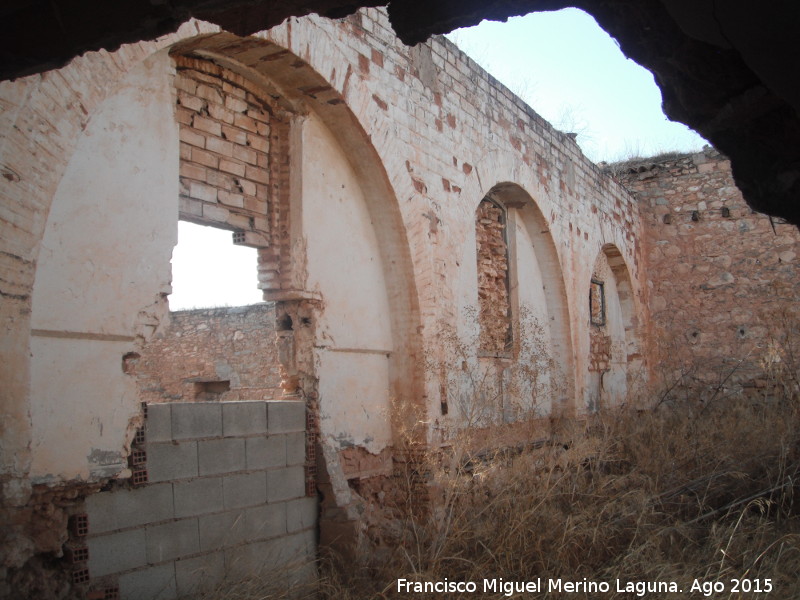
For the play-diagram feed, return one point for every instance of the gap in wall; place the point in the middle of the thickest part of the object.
(208, 270)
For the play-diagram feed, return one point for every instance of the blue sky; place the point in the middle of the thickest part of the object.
(574, 75)
(561, 63)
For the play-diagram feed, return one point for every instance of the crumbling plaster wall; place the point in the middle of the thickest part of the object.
(102, 277)
(426, 135)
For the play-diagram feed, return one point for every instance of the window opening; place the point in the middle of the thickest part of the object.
(597, 302)
(208, 270)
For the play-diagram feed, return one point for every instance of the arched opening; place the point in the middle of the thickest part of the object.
(344, 282)
(523, 356)
(615, 358)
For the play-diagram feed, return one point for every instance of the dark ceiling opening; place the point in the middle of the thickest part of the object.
(725, 68)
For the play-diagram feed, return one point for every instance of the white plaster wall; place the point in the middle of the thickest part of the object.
(536, 340)
(102, 270)
(344, 265)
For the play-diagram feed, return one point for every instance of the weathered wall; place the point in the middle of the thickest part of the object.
(102, 277)
(200, 347)
(723, 280)
(219, 494)
(377, 159)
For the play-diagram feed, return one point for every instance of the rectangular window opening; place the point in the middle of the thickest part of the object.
(597, 303)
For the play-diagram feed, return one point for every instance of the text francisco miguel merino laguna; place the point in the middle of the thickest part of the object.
(509, 588)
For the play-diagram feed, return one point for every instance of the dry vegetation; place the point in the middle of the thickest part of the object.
(685, 491)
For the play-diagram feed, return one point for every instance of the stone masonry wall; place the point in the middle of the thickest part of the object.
(218, 493)
(723, 280)
(201, 347)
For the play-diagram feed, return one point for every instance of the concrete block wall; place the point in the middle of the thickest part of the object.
(224, 498)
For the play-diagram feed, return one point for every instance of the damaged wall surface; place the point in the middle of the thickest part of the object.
(357, 167)
(723, 280)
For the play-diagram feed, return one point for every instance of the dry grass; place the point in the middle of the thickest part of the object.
(679, 493)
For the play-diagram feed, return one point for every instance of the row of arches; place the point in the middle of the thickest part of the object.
(524, 329)
(335, 254)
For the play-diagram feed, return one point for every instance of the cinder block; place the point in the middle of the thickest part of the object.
(120, 509)
(244, 489)
(221, 530)
(253, 560)
(244, 418)
(196, 420)
(286, 416)
(153, 583)
(296, 448)
(198, 497)
(169, 461)
(159, 423)
(266, 521)
(285, 484)
(301, 514)
(265, 452)
(116, 552)
(172, 540)
(200, 574)
(221, 456)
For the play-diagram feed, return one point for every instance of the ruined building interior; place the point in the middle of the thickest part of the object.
(416, 225)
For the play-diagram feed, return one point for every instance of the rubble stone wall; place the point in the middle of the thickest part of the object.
(231, 347)
(724, 281)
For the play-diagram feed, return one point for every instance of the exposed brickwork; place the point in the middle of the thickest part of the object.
(209, 345)
(492, 251)
(599, 350)
(722, 277)
(225, 132)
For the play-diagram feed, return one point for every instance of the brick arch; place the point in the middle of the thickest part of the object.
(615, 348)
(535, 273)
(310, 93)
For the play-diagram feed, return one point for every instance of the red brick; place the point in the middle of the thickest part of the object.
(205, 158)
(191, 102)
(220, 146)
(183, 116)
(245, 122)
(192, 137)
(248, 187)
(208, 125)
(231, 166)
(258, 142)
(230, 198)
(245, 154)
(237, 136)
(209, 93)
(256, 174)
(258, 115)
(220, 113)
(233, 90)
(363, 64)
(193, 171)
